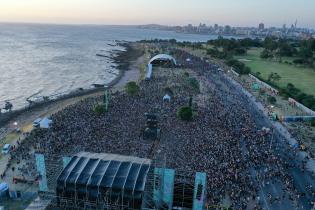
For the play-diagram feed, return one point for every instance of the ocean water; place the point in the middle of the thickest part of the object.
(42, 60)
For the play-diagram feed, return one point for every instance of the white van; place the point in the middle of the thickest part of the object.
(6, 149)
(36, 122)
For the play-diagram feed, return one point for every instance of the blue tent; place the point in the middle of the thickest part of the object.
(4, 187)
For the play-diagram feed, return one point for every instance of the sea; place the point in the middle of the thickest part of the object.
(39, 60)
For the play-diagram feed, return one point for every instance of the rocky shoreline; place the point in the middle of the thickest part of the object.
(122, 58)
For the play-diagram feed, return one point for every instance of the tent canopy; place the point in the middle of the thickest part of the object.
(163, 57)
(167, 98)
(45, 123)
(149, 71)
(3, 187)
(105, 171)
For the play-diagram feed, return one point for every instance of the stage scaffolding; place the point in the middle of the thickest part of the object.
(158, 192)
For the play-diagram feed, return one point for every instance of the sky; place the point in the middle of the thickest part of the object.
(167, 12)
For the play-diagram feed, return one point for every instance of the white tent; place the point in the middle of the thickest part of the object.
(45, 123)
(4, 187)
(149, 72)
(163, 57)
(167, 98)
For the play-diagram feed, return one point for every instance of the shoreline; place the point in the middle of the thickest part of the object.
(19, 123)
(123, 59)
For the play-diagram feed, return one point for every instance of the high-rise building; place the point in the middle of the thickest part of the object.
(261, 26)
(216, 26)
(227, 29)
(284, 26)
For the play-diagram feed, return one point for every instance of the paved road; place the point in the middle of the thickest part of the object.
(272, 195)
(303, 180)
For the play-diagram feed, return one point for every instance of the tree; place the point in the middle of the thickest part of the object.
(298, 61)
(173, 41)
(99, 109)
(246, 70)
(168, 90)
(265, 54)
(306, 55)
(292, 90)
(185, 113)
(194, 84)
(308, 101)
(230, 45)
(312, 44)
(301, 96)
(197, 45)
(274, 77)
(132, 88)
(278, 55)
(215, 53)
(240, 51)
(248, 42)
(272, 99)
(262, 91)
(270, 44)
(238, 66)
(286, 49)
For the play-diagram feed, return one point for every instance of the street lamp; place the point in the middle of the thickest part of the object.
(106, 97)
(272, 137)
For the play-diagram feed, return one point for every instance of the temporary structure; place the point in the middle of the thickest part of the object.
(167, 98)
(45, 123)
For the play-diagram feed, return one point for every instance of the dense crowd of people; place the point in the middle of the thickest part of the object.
(225, 140)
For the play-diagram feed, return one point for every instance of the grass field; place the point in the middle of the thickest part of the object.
(302, 78)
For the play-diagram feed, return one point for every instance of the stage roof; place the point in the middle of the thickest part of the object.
(105, 171)
(163, 57)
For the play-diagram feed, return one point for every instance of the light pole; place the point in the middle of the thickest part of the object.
(271, 139)
(106, 97)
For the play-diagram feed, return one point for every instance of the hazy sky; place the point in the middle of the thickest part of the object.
(171, 12)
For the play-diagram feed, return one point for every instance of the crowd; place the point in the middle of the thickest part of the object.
(224, 139)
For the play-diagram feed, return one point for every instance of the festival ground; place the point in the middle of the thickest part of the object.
(246, 168)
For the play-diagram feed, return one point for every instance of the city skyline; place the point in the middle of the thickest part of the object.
(125, 12)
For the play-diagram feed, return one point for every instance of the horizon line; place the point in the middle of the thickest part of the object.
(144, 24)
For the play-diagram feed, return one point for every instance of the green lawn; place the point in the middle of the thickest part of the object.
(9, 138)
(302, 78)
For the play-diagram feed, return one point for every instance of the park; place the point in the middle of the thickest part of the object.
(301, 77)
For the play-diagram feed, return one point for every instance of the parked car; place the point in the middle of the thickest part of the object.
(36, 122)
(6, 149)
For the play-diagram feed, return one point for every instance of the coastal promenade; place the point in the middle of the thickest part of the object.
(24, 121)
